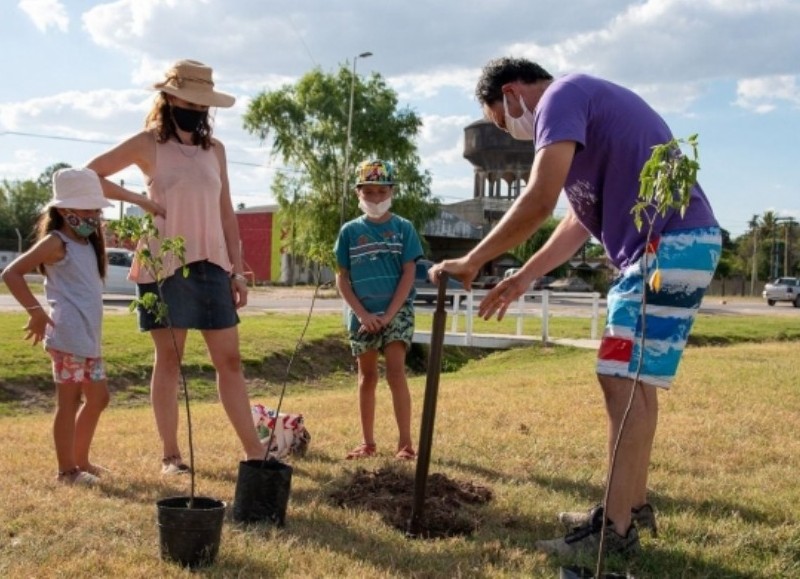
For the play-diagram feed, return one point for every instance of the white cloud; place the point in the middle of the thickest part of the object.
(706, 60)
(670, 42)
(763, 95)
(428, 85)
(46, 14)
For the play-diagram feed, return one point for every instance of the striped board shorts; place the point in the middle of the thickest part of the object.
(686, 260)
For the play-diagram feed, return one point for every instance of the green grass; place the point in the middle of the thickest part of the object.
(528, 423)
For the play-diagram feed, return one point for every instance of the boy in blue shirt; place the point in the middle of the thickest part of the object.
(376, 254)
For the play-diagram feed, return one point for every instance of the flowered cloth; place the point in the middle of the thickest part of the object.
(291, 436)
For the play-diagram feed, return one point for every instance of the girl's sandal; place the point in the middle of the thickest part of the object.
(363, 450)
(406, 453)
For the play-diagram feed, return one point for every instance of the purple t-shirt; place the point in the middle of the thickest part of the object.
(615, 131)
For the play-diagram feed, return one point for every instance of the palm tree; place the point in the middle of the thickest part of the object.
(754, 226)
(769, 226)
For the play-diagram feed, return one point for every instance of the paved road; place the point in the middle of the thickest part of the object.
(278, 300)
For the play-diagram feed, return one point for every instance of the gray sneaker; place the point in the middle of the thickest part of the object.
(644, 518)
(586, 540)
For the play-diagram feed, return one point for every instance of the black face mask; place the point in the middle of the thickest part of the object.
(188, 119)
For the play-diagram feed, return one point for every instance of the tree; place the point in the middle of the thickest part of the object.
(307, 126)
(526, 249)
(21, 203)
(727, 260)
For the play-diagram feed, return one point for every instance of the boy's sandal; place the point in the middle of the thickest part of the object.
(406, 453)
(363, 450)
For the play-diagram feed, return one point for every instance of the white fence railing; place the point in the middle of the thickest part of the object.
(536, 304)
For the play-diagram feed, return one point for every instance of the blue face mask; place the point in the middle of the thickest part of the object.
(82, 226)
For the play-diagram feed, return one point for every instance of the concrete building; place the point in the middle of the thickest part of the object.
(501, 166)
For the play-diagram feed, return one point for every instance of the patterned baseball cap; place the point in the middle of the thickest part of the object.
(375, 172)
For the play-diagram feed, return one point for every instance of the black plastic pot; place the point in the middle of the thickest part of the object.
(262, 491)
(187, 536)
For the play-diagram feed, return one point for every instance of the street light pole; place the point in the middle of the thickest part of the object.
(346, 174)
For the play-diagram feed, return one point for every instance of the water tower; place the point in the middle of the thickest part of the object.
(501, 165)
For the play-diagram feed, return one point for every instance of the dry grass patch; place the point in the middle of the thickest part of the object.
(527, 423)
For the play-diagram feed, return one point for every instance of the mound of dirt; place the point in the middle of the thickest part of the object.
(450, 505)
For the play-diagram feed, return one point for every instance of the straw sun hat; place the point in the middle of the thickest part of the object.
(192, 81)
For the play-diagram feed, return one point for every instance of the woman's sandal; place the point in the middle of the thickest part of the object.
(96, 470)
(78, 477)
(363, 450)
(406, 453)
(173, 465)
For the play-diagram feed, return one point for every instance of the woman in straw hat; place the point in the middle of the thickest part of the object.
(186, 174)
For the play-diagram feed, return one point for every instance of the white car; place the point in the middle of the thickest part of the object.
(570, 284)
(119, 264)
(783, 289)
(540, 283)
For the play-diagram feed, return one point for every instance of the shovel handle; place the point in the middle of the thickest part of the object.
(442, 280)
(429, 410)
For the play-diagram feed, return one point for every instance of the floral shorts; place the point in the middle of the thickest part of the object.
(400, 329)
(71, 369)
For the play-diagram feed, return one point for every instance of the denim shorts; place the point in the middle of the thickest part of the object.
(686, 260)
(200, 301)
(400, 329)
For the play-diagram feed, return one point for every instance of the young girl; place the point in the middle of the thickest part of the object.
(70, 253)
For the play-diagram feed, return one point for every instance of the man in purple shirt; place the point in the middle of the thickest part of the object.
(592, 138)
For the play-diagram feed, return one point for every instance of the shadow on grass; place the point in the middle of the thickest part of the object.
(491, 546)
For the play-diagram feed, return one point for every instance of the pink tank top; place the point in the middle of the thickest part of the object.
(187, 183)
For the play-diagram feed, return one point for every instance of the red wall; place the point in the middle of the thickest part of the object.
(255, 230)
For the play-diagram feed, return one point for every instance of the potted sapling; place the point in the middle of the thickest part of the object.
(190, 527)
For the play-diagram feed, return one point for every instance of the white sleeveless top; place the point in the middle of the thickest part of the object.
(74, 290)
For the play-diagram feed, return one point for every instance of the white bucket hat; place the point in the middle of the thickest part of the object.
(193, 81)
(77, 189)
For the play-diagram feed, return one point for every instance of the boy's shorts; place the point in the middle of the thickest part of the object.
(686, 259)
(71, 369)
(400, 329)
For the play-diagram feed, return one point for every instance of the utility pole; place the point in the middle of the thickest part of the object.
(121, 203)
(754, 271)
(348, 143)
(787, 223)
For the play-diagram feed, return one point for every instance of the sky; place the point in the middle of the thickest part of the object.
(77, 76)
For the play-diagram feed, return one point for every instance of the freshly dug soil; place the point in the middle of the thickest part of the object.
(451, 507)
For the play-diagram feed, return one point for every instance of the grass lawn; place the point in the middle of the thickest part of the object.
(528, 423)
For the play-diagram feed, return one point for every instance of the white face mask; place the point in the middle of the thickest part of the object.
(375, 210)
(521, 128)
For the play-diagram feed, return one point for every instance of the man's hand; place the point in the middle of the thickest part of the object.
(503, 295)
(460, 268)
